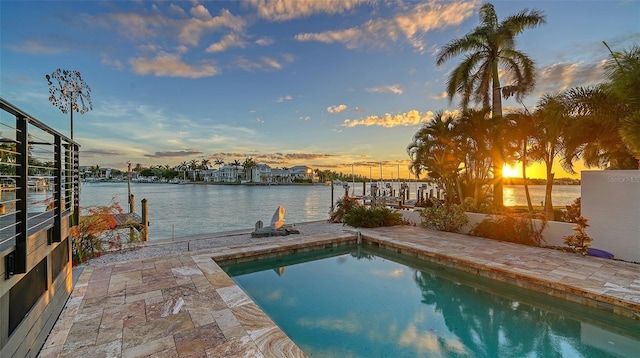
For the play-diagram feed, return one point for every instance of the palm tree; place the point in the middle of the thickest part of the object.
(204, 164)
(623, 70)
(248, 164)
(551, 123)
(594, 134)
(523, 123)
(219, 162)
(434, 150)
(490, 46)
(235, 165)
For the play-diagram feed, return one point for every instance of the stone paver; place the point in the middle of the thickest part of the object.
(184, 305)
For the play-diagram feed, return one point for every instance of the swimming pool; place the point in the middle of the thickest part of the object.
(366, 302)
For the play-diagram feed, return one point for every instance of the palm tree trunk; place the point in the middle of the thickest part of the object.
(548, 205)
(524, 175)
(498, 161)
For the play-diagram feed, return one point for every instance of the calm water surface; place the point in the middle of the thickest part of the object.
(192, 209)
(373, 303)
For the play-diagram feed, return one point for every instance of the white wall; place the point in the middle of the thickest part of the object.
(611, 202)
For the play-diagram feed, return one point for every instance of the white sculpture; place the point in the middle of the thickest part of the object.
(277, 221)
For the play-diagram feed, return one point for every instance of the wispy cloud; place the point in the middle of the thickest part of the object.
(263, 63)
(397, 89)
(561, 76)
(202, 21)
(282, 10)
(410, 118)
(228, 41)
(337, 109)
(37, 47)
(171, 65)
(440, 95)
(99, 153)
(285, 98)
(174, 154)
(264, 41)
(412, 25)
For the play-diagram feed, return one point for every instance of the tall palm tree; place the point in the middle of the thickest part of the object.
(491, 47)
(523, 127)
(204, 164)
(219, 162)
(236, 164)
(551, 123)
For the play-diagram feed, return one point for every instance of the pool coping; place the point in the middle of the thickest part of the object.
(90, 323)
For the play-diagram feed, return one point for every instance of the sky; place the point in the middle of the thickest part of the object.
(331, 84)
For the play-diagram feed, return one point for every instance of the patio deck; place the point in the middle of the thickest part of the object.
(184, 305)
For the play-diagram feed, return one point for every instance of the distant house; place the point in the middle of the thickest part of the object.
(301, 172)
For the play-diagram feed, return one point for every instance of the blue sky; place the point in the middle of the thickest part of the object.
(326, 83)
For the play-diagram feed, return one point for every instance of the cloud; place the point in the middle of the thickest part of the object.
(115, 64)
(173, 154)
(411, 118)
(37, 47)
(337, 109)
(264, 41)
(170, 65)
(440, 95)
(397, 89)
(411, 25)
(263, 63)
(558, 77)
(228, 41)
(282, 10)
(285, 98)
(202, 21)
(99, 153)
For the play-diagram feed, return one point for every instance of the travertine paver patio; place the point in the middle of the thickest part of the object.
(184, 305)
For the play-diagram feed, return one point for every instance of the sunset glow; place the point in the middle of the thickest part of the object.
(511, 172)
(333, 85)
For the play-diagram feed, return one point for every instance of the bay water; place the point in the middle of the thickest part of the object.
(195, 209)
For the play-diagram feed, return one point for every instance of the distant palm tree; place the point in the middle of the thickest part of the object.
(219, 162)
(236, 164)
(490, 46)
(248, 165)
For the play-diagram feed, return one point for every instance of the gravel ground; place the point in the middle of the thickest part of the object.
(156, 248)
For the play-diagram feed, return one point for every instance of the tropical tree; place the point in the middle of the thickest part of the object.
(248, 164)
(623, 71)
(236, 163)
(490, 49)
(551, 121)
(69, 92)
(219, 162)
(523, 127)
(594, 134)
(434, 149)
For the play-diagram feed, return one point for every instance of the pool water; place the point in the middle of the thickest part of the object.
(366, 302)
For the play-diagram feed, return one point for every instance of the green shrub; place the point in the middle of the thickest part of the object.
(443, 217)
(360, 216)
(343, 206)
(520, 229)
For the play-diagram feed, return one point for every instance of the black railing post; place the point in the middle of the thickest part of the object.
(57, 190)
(22, 171)
(75, 187)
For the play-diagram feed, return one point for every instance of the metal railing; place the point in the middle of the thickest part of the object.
(38, 180)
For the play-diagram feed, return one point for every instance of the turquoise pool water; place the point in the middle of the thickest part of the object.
(353, 302)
